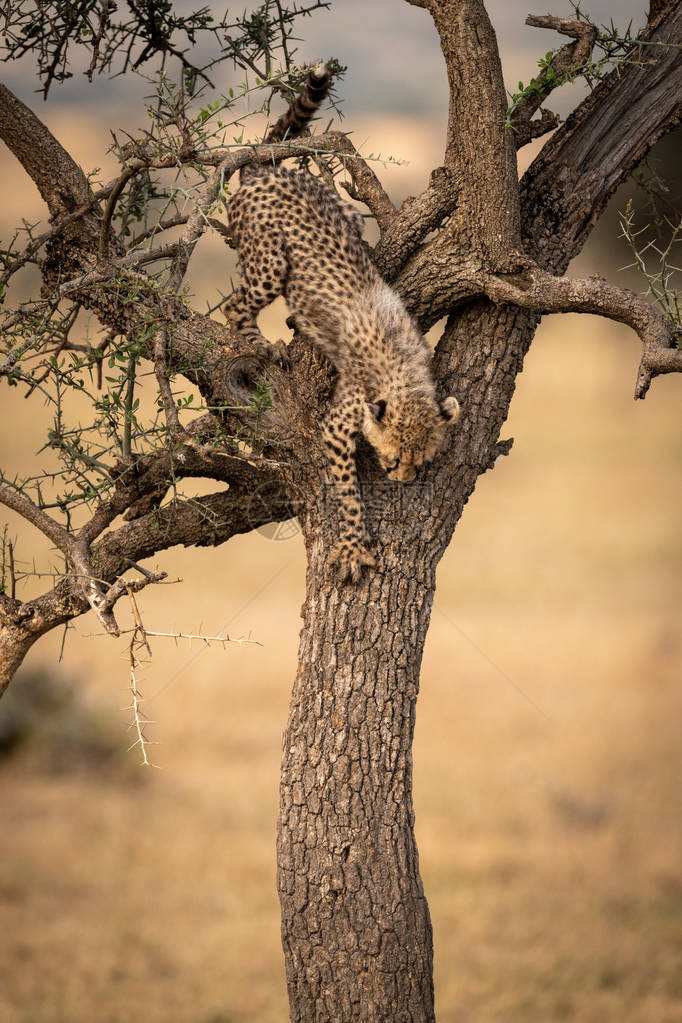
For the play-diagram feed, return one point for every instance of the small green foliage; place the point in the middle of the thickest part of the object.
(262, 399)
(130, 36)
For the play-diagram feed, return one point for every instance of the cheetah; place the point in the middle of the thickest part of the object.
(297, 238)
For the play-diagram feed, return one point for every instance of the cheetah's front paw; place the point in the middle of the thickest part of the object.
(350, 559)
(273, 351)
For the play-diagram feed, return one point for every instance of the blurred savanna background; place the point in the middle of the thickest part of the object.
(547, 773)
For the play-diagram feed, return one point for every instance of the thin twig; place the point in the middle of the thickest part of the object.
(12, 576)
(140, 720)
(109, 210)
(161, 370)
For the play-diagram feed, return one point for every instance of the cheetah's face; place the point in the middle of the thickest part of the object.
(405, 438)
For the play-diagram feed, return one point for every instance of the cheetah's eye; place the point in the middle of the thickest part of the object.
(390, 466)
(378, 410)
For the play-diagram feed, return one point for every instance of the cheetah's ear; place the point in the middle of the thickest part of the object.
(449, 409)
(377, 410)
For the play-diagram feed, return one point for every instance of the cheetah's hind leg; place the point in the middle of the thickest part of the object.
(235, 310)
(264, 273)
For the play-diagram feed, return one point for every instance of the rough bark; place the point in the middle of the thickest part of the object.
(568, 185)
(15, 641)
(355, 922)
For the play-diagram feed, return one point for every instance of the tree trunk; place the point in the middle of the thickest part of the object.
(355, 922)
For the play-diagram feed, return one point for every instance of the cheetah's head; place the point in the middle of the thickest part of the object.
(406, 434)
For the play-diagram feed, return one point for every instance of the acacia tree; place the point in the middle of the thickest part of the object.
(476, 247)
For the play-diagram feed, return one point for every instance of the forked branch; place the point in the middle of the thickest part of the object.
(563, 66)
(366, 184)
(75, 550)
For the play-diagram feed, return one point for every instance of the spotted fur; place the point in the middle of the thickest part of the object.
(296, 237)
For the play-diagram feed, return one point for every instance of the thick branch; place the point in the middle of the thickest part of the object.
(151, 477)
(201, 522)
(60, 180)
(478, 190)
(480, 154)
(418, 216)
(532, 288)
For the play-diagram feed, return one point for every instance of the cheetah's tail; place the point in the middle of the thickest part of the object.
(303, 109)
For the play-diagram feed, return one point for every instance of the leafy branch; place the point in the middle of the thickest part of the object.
(117, 38)
(598, 50)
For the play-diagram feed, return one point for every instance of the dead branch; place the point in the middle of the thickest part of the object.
(367, 186)
(58, 177)
(566, 61)
(501, 449)
(191, 636)
(152, 475)
(131, 586)
(138, 640)
(546, 122)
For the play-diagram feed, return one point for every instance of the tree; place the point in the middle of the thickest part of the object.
(476, 247)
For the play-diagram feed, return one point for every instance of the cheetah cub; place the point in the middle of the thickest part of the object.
(296, 237)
